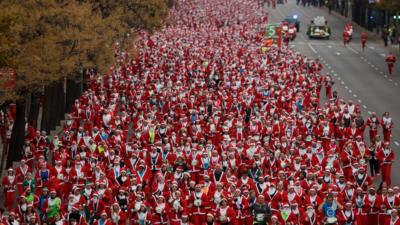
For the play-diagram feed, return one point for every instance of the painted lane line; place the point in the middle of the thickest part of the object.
(396, 143)
(390, 80)
(385, 76)
(369, 112)
(352, 49)
(371, 47)
(332, 71)
(339, 78)
(329, 46)
(381, 72)
(359, 100)
(313, 49)
(396, 84)
(350, 91)
(364, 106)
(355, 96)
(337, 53)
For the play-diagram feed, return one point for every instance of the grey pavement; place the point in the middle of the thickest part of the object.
(359, 76)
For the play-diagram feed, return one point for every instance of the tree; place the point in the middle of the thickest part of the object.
(392, 5)
(47, 42)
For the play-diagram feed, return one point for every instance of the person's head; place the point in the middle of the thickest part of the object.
(348, 206)
(372, 191)
(198, 188)
(330, 197)
(394, 213)
(286, 208)
(210, 217)
(261, 199)
(103, 215)
(224, 202)
(53, 194)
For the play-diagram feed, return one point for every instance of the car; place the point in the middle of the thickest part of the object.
(318, 28)
(293, 20)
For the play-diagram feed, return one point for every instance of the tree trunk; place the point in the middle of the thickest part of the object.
(18, 134)
(74, 90)
(34, 110)
(54, 105)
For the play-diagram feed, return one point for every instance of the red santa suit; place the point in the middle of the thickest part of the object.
(197, 203)
(385, 156)
(225, 215)
(9, 184)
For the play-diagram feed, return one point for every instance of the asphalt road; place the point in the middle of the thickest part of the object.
(359, 76)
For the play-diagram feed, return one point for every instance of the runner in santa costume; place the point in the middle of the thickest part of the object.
(348, 215)
(178, 208)
(161, 211)
(373, 122)
(118, 217)
(363, 40)
(95, 207)
(103, 220)
(390, 60)
(52, 206)
(12, 219)
(241, 206)
(20, 174)
(286, 216)
(362, 179)
(9, 183)
(387, 126)
(197, 203)
(389, 203)
(394, 218)
(385, 157)
(225, 214)
(217, 195)
(261, 211)
(311, 216)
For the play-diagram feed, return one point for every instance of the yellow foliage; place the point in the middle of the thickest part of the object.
(48, 40)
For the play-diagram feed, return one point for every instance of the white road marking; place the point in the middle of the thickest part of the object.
(355, 96)
(343, 83)
(396, 143)
(396, 84)
(369, 112)
(313, 49)
(376, 68)
(364, 106)
(332, 71)
(350, 91)
(359, 100)
(292, 46)
(337, 53)
(383, 55)
(390, 80)
(352, 49)
(339, 78)
(335, 75)
(371, 47)
(385, 76)
(329, 46)
(381, 72)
